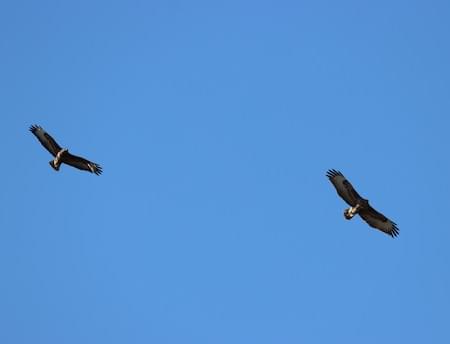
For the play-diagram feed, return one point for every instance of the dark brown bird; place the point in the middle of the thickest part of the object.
(62, 156)
(359, 205)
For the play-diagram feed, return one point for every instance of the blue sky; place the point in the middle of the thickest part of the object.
(215, 123)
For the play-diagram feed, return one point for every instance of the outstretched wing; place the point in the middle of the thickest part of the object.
(343, 187)
(81, 163)
(379, 221)
(45, 139)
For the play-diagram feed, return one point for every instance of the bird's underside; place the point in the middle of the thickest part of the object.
(349, 213)
(56, 162)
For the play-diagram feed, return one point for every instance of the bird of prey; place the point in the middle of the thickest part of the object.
(62, 156)
(359, 205)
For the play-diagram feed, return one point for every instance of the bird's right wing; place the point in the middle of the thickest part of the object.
(343, 187)
(379, 221)
(45, 139)
(81, 163)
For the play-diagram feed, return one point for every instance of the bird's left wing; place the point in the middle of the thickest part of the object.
(379, 221)
(45, 139)
(81, 163)
(343, 187)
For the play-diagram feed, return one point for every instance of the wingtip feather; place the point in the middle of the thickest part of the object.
(395, 230)
(333, 173)
(34, 127)
(98, 169)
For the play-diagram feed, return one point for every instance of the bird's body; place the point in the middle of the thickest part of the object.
(57, 161)
(62, 155)
(359, 205)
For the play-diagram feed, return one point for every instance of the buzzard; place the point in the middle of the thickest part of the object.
(359, 205)
(62, 155)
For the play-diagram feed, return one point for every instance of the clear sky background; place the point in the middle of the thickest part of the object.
(215, 123)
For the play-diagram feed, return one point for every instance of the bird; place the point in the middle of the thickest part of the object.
(360, 206)
(62, 155)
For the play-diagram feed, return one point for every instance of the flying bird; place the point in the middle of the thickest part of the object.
(359, 205)
(62, 156)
